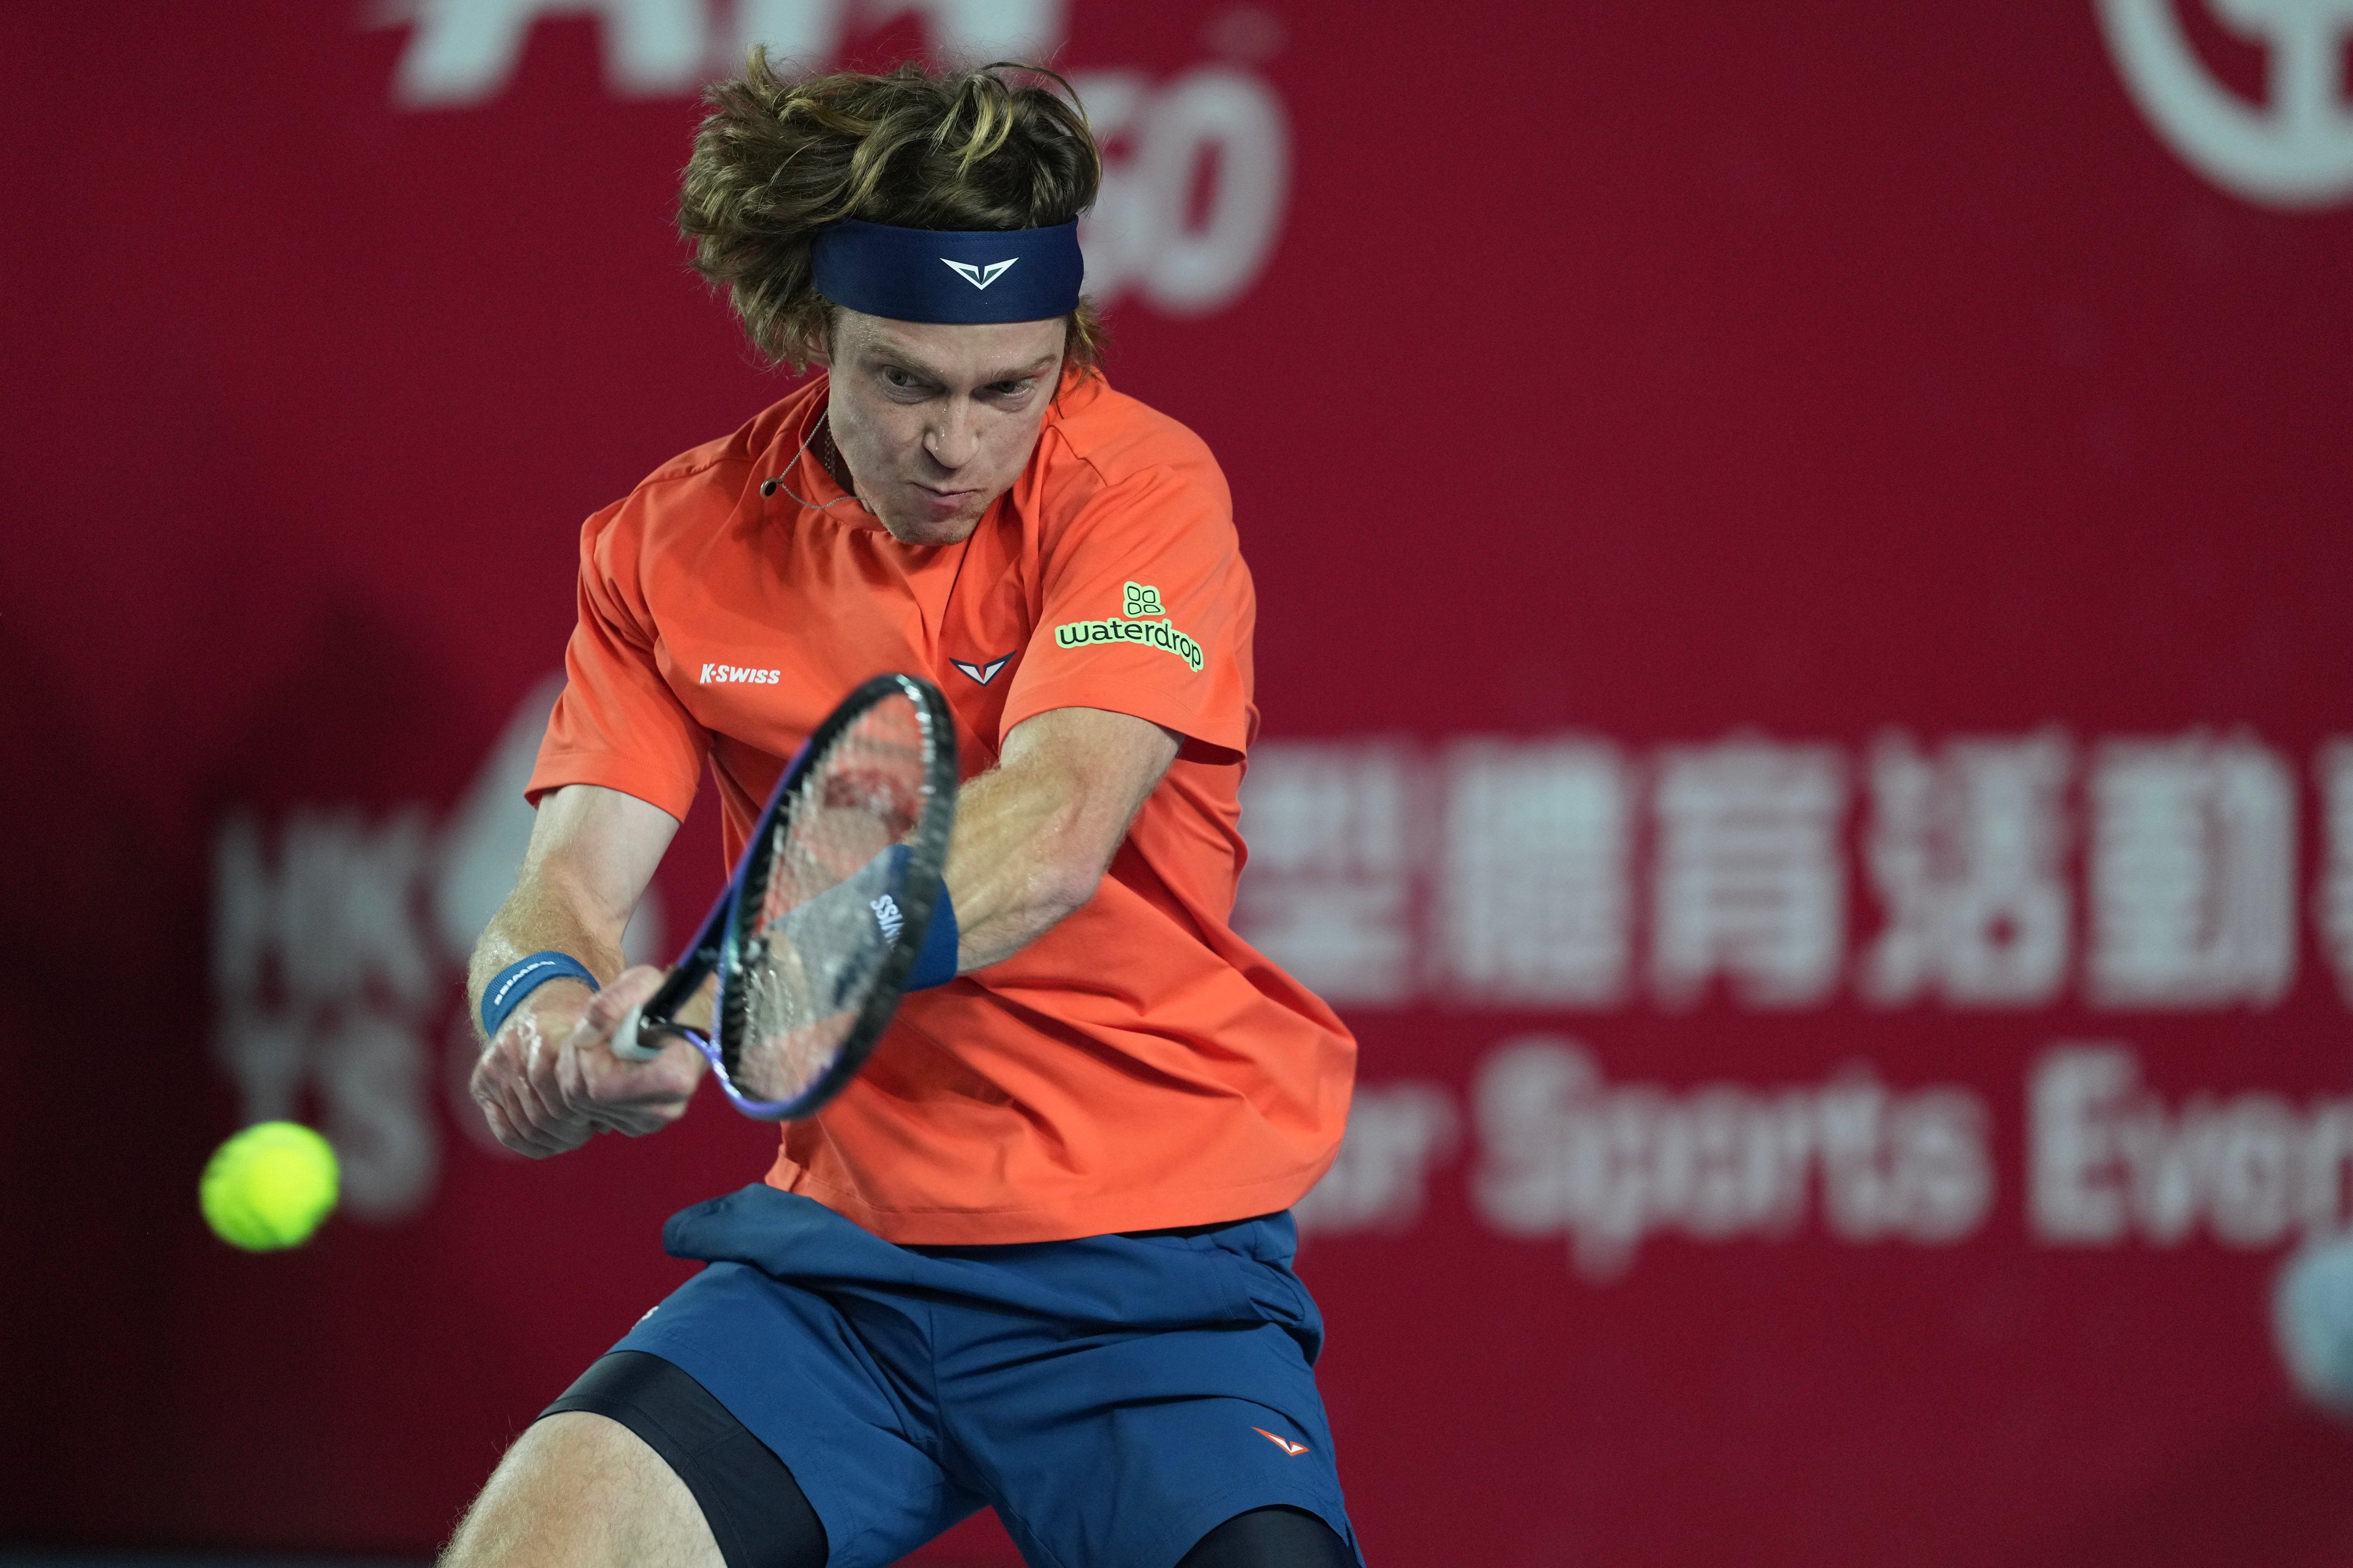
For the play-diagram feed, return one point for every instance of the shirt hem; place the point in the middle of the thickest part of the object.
(1051, 1222)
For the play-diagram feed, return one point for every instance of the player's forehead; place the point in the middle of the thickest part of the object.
(955, 354)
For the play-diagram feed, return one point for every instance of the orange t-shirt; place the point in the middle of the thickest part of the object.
(1138, 1066)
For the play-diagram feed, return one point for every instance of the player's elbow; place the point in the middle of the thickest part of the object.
(1070, 859)
(1067, 880)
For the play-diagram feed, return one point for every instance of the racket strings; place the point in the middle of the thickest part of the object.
(829, 909)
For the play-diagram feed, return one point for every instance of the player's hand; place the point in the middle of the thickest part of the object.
(548, 1080)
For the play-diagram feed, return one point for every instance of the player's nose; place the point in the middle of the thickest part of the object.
(951, 440)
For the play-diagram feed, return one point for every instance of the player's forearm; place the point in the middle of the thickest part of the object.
(1034, 835)
(542, 915)
(1020, 862)
(593, 851)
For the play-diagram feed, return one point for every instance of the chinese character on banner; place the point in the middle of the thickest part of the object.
(1328, 894)
(2332, 899)
(2192, 874)
(1749, 882)
(1534, 904)
(1965, 851)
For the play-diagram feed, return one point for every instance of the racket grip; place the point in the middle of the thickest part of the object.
(627, 1043)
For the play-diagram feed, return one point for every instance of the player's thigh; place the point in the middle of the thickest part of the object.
(834, 1388)
(581, 1488)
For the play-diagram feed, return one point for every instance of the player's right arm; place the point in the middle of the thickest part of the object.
(548, 1080)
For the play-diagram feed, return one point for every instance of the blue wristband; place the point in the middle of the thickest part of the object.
(518, 980)
(935, 961)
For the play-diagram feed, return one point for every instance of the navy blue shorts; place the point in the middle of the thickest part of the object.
(1114, 1398)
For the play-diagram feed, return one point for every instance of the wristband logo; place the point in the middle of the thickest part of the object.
(500, 994)
(1140, 602)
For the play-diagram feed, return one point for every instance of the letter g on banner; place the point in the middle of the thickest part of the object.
(2295, 152)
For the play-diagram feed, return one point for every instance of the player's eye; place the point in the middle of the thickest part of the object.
(1008, 388)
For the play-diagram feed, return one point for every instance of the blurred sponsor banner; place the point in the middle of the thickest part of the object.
(1805, 607)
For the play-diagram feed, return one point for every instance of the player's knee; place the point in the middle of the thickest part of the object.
(1275, 1537)
(582, 1488)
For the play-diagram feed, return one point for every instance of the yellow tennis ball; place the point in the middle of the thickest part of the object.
(268, 1187)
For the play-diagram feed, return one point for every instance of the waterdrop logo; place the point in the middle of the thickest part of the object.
(2294, 151)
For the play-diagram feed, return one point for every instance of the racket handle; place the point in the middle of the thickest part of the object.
(627, 1041)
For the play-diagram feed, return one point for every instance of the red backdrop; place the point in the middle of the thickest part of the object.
(1805, 608)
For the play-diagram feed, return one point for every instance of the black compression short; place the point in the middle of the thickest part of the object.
(1271, 1538)
(754, 1508)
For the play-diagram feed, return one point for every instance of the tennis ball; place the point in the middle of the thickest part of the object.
(268, 1187)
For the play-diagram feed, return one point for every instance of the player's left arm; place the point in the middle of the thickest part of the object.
(1035, 834)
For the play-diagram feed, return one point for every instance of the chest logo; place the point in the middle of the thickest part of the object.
(719, 674)
(983, 673)
(1139, 604)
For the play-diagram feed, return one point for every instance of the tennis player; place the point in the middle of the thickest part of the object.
(1036, 1256)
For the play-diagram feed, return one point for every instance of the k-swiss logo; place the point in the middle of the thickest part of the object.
(983, 276)
(719, 674)
(983, 673)
(887, 916)
(1285, 1443)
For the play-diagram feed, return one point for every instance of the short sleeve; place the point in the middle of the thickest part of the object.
(617, 723)
(1148, 610)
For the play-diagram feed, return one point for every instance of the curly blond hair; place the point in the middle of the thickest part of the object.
(776, 159)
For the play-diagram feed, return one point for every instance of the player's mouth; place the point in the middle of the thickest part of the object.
(942, 503)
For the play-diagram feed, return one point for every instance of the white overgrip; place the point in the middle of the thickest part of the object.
(626, 1043)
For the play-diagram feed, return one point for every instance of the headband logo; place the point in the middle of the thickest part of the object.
(979, 277)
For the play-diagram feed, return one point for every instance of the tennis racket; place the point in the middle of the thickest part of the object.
(814, 937)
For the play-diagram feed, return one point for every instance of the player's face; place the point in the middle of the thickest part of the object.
(936, 421)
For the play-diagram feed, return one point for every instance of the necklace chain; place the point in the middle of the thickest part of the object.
(770, 486)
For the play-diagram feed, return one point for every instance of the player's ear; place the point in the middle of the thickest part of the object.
(821, 352)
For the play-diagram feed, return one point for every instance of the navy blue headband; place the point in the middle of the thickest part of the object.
(949, 275)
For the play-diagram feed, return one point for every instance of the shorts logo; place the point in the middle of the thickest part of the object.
(983, 276)
(1285, 1443)
(717, 674)
(983, 673)
(1140, 601)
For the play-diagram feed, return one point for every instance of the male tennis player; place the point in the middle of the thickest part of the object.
(1034, 1256)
